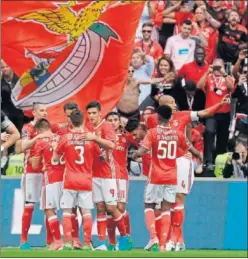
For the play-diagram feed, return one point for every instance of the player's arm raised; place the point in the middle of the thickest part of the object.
(27, 143)
(213, 109)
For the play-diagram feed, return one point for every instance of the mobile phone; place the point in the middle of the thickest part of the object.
(217, 68)
(236, 156)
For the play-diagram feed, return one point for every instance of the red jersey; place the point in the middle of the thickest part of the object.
(197, 141)
(192, 71)
(29, 132)
(105, 168)
(146, 163)
(163, 143)
(178, 121)
(53, 171)
(78, 155)
(154, 49)
(215, 90)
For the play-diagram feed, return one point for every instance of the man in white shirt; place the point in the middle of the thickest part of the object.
(180, 48)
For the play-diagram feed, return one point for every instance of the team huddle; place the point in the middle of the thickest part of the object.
(77, 164)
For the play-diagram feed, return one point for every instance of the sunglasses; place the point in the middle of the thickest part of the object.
(145, 31)
(130, 71)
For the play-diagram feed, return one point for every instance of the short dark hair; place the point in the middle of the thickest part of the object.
(94, 104)
(190, 86)
(132, 124)
(187, 22)
(35, 105)
(112, 114)
(70, 106)
(42, 124)
(164, 112)
(199, 47)
(76, 118)
(147, 24)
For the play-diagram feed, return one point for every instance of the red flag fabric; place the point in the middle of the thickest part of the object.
(69, 51)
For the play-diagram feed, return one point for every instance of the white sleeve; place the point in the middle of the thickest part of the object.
(194, 116)
(168, 47)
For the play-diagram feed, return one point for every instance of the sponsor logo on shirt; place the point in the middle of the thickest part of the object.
(183, 51)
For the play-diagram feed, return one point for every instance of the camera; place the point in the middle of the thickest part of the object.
(216, 68)
(236, 156)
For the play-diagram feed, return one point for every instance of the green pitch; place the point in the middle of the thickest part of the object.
(138, 253)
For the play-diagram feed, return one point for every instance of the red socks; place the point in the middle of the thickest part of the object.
(165, 226)
(101, 226)
(67, 226)
(111, 227)
(120, 223)
(54, 227)
(49, 235)
(127, 222)
(26, 221)
(87, 228)
(150, 222)
(158, 216)
(177, 223)
(74, 223)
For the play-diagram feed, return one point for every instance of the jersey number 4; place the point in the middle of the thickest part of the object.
(167, 149)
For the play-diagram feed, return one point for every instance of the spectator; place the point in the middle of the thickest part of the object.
(146, 113)
(170, 85)
(149, 46)
(143, 69)
(232, 37)
(237, 163)
(216, 84)
(146, 17)
(207, 35)
(9, 136)
(128, 105)
(8, 81)
(195, 99)
(196, 69)
(216, 11)
(180, 48)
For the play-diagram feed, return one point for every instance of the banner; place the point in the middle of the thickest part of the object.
(69, 51)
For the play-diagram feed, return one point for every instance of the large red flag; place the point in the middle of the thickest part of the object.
(68, 51)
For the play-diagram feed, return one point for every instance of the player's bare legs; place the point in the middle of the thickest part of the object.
(53, 225)
(87, 227)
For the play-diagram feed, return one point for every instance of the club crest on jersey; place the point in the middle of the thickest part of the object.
(77, 61)
(24, 133)
(175, 123)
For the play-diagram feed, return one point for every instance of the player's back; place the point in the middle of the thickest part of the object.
(53, 171)
(164, 143)
(78, 155)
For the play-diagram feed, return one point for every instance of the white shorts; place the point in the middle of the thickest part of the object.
(50, 196)
(122, 190)
(156, 193)
(105, 190)
(185, 175)
(31, 185)
(70, 199)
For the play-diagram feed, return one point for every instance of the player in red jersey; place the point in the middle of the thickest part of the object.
(52, 179)
(104, 177)
(120, 156)
(77, 186)
(32, 178)
(185, 174)
(164, 142)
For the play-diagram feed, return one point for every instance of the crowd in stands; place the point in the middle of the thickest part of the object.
(195, 51)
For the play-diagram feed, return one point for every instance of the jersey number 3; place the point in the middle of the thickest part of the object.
(80, 161)
(167, 149)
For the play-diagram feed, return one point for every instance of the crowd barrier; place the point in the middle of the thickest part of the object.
(216, 215)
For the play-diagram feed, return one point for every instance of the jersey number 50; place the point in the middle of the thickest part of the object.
(167, 149)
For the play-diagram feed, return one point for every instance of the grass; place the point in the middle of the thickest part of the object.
(137, 253)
